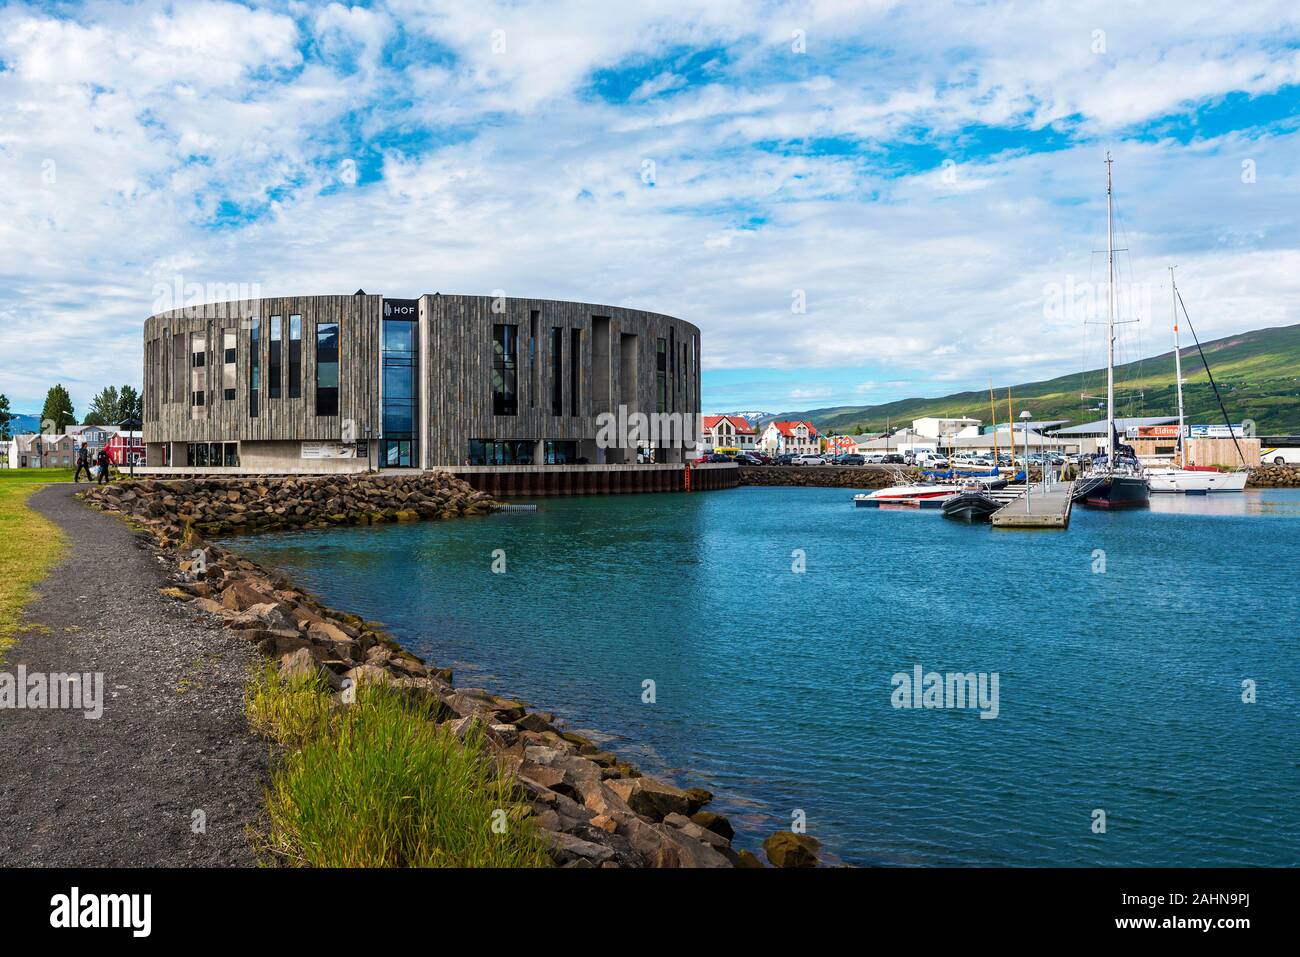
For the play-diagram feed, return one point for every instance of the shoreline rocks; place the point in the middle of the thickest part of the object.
(593, 809)
(1274, 476)
(217, 506)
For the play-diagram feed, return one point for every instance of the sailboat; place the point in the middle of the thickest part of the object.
(1115, 479)
(1182, 477)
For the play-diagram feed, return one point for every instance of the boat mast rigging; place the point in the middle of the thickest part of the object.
(1180, 449)
(1110, 321)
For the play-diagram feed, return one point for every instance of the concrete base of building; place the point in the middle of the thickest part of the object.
(506, 481)
(514, 480)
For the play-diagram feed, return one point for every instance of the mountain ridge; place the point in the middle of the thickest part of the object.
(1257, 372)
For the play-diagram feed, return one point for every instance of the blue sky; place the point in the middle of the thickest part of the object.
(924, 178)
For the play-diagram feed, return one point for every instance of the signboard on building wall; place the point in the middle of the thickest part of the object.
(1157, 432)
(401, 308)
(328, 450)
(1217, 431)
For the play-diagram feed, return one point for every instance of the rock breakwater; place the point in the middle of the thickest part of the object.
(1274, 476)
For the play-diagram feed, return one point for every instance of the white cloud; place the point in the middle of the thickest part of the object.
(154, 113)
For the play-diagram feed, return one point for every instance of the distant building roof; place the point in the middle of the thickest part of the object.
(738, 423)
(891, 442)
(1035, 426)
(787, 428)
(1099, 427)
(987, 440)
(27, 440)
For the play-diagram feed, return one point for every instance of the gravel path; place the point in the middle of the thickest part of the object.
(122, 790)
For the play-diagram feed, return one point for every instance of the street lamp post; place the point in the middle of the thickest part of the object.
(1024, 420)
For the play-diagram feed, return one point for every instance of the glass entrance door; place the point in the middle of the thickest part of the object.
(397, 453)
(399, 394)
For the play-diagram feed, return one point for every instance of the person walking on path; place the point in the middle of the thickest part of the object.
(83, 462)
(103, 461)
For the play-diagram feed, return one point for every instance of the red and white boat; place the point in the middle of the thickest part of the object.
(908, 496)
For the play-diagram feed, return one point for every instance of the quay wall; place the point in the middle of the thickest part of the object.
(824, 476)
(511, 481)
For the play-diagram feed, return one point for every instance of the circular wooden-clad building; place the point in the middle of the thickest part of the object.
(311, 384)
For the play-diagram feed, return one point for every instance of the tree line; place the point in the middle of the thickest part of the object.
(110, 406)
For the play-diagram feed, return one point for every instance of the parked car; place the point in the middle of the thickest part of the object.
(808, 459)
(745, 458)
(785, 459)
(892, 458)
(850, 458)
(931, 460)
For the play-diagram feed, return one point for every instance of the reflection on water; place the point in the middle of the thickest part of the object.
(1263, 502)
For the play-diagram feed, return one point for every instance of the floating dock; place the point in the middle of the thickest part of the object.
(1044, 509)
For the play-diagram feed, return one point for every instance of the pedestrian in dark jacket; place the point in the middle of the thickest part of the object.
(83, 463)
(102, 460)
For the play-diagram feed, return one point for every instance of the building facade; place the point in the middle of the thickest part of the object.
(791, 438)
(730, 432)
(125, 448)
(332, 383)
(38, 451)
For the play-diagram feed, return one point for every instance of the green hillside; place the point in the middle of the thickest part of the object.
(1258, 374)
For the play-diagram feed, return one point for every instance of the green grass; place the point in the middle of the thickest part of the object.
(34, 476)
(379, 784)
(30, 544)
(1258, 374)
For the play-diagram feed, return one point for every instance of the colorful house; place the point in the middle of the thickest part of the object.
(791, 438)
(731, 432)
(125, 447)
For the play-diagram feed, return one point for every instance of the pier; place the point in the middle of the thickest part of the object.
(1046, 507)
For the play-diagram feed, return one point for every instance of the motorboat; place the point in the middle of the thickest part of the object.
(916, 495)
(972, 504)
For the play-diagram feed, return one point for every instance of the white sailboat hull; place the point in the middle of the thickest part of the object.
(1195, 481)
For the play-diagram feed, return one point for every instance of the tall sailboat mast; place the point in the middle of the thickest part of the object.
(1180, 448)
(993, 409)
(1110, 322)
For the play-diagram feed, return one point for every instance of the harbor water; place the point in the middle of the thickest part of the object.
(1147, 663)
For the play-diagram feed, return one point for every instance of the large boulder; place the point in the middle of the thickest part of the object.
(787, 849)
(660, 845)
(368, 674)
(240, 596)
(714, 822)
(266, 614)
(655, 799)
(566, 849)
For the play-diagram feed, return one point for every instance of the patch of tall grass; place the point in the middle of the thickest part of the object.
(378, 783)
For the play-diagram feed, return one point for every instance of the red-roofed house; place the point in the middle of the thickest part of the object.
(728, 432)
(793, 438)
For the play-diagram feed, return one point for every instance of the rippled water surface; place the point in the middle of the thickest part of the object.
(1119, 690)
